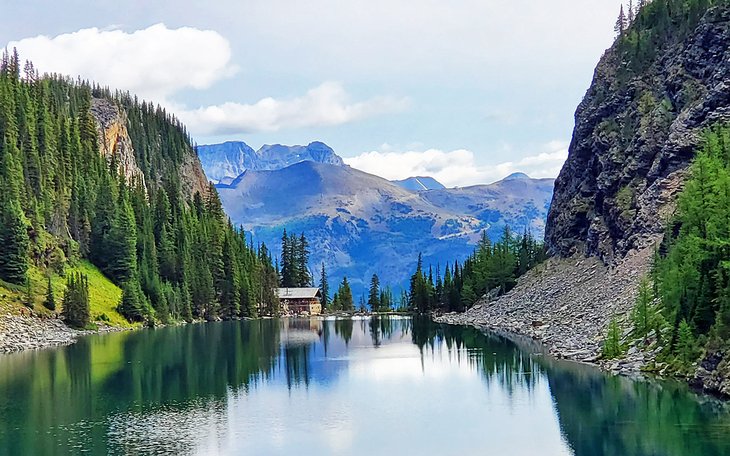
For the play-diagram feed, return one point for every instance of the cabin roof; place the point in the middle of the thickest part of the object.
(298, 293)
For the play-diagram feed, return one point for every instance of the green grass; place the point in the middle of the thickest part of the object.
(104, 296)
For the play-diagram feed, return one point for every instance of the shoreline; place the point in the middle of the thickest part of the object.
(19, 333)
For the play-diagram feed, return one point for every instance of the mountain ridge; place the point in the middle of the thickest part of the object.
(351, 217)
(228, 160)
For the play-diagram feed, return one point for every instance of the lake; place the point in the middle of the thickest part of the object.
(317, 387)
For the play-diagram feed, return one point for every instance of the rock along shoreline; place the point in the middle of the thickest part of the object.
(566, 304)
(20, 333)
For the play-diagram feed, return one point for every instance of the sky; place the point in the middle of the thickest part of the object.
(466, 91)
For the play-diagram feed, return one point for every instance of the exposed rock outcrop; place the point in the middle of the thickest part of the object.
(634, 139)
(114, 141)
(116, 145)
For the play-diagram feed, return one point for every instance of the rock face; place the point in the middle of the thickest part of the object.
(192, 176)
(114, 141)
(225, 162)
(116, 145)
(634, 139)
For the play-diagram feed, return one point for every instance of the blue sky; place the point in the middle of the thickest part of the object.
(467, 91)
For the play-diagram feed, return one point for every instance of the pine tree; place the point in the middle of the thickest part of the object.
(50, 301)
(75, 309)
(344, 293)
(374, 294)
(621, 22)
(132, 304)
(325, 289)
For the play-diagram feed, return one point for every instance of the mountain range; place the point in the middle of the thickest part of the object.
(359, 224)
(225, 162)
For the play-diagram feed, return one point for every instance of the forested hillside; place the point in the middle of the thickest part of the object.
(492, 269)
(66, 196)
(691, 275)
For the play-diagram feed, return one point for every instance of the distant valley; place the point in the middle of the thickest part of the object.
(358, 223)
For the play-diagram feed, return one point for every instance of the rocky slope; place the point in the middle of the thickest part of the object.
(565, 303)
(635, 133)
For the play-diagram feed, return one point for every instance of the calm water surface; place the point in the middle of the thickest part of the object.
(371, 386)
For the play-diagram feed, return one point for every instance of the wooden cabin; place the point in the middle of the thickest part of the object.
(300, 301)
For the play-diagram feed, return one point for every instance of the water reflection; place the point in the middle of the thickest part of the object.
(337, 387)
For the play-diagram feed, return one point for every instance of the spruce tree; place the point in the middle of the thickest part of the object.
(50, 301)
(132, 304)
(15, 243)
(346, 301)
(75, 309)
(324, 288)
(374, 294)
(302, 259)
(13, 224)
(621, 22)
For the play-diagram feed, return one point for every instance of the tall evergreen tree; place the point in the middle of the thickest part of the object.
(344, 294)
(75, 309)
(324, 288)
(50, 301)
(374, 294)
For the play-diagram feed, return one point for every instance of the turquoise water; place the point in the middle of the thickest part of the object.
(371, 386)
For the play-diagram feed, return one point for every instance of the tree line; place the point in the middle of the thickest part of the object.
(294, 267)
(492, 268)
(645, 28)
(175, 257)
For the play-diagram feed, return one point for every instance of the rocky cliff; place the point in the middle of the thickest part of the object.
(114, 141)
(117, 146)
(635, 134)
(663, 82)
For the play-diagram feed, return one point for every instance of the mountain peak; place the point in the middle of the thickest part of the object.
(419, 183)
(228, 160)
(516, 176)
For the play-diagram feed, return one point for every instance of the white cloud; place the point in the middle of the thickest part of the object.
(458, 167)
(153, 63)
(157, 63)
(326, 105)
